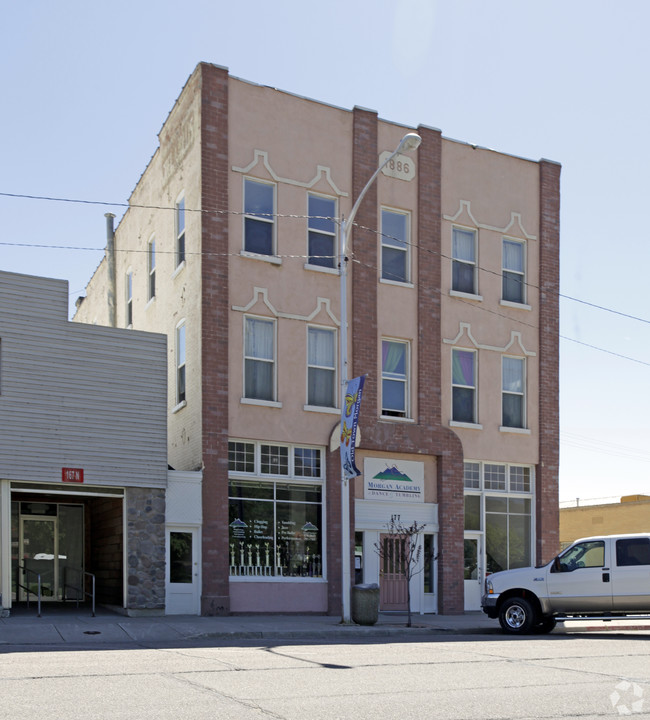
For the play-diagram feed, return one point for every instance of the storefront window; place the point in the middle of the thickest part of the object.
(275, 529)
(506, 494)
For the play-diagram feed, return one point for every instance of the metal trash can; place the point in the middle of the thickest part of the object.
(365, 604)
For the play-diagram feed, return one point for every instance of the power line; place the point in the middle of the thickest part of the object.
(374, 231)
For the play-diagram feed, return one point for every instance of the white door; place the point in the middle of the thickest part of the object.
(473, 573)
(182, 571)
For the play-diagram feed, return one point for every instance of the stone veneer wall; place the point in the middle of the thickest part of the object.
(145, 519)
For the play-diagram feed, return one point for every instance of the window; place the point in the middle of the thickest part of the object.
(321, 367)
(513, 271)
(129, 298)
(464, 261)
(507, 533)
(463, 386)
(394, 378)
(276, 524)
(472, 475)
(394, 246)
(241, 457)
(588, 554)
(180, 232)
(321, 231)
(151, 267)
(494, 477)
(180, 364)
(633, 551)
(259, 359)
(513, 393)
(259, 217)
(498, 501)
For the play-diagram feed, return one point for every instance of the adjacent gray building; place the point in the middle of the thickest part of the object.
(83, 454)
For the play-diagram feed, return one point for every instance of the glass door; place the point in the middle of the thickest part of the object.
(39, 557)
(183, 572)
(473, 572)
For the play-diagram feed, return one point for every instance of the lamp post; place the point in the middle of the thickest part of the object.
(410, 141)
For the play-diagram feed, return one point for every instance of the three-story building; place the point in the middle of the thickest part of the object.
(230, 248)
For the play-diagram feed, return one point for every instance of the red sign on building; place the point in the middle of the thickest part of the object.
(73, 475)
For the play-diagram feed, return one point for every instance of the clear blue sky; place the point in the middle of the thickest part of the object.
(86, 87)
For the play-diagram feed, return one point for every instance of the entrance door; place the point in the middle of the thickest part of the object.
(393, 590)
(473, 573)
(39, 557)
(183, 572)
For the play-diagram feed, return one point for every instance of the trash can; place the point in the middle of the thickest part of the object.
(365, 604)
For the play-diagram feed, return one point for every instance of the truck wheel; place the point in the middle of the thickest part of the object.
(546, 625)
(516, 616)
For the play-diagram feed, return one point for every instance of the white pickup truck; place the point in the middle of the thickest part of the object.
(603, 577)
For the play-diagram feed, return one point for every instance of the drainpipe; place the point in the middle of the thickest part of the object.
(110, 263)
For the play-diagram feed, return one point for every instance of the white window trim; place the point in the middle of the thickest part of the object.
(308, 266)
(524, 430)
(333, 408)
(458, 293)
(179, 265)
(151, 268)
(128, 296)
(458, 423)
(407, 383)
(271, 221)
(255, 401)
(523, 243)
(408, 282)
(180, 403)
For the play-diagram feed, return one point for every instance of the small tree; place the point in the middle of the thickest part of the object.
(406, 538)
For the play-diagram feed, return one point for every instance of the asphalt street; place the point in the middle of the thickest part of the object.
(483, 675)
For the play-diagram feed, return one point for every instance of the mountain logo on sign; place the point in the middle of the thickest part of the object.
(392, 473)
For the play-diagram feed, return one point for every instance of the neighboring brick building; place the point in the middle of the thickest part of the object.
(229, 247)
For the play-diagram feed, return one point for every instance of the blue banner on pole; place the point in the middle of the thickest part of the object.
(349, 421)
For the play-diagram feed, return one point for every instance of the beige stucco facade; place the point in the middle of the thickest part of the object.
(222, 131)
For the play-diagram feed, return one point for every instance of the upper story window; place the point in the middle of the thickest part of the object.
(463, 250)
(395, 246)
(259, 217)
(263, 459)
(151, 268)
(180, 363)
(464, 386)
(321, 231)
(180, 232)
(394, 378)
(321, 367)
(513, 392)
(259, 359)
(129, 298)
(514, 276)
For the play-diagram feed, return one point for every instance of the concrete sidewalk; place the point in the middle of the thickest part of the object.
(78, 626)
(71, 626)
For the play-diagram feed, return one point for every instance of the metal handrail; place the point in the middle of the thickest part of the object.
(27, 588)
(81, 587)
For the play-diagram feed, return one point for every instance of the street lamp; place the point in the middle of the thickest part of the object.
(410, 141)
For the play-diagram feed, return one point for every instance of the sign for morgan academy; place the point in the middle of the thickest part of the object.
(397, 480)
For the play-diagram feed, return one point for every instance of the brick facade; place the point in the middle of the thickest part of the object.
(214, 333)
(547, 508)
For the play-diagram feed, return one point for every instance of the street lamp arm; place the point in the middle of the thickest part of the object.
(410, 141)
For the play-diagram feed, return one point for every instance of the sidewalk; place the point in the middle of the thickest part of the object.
(72, 626)
(78, 626)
